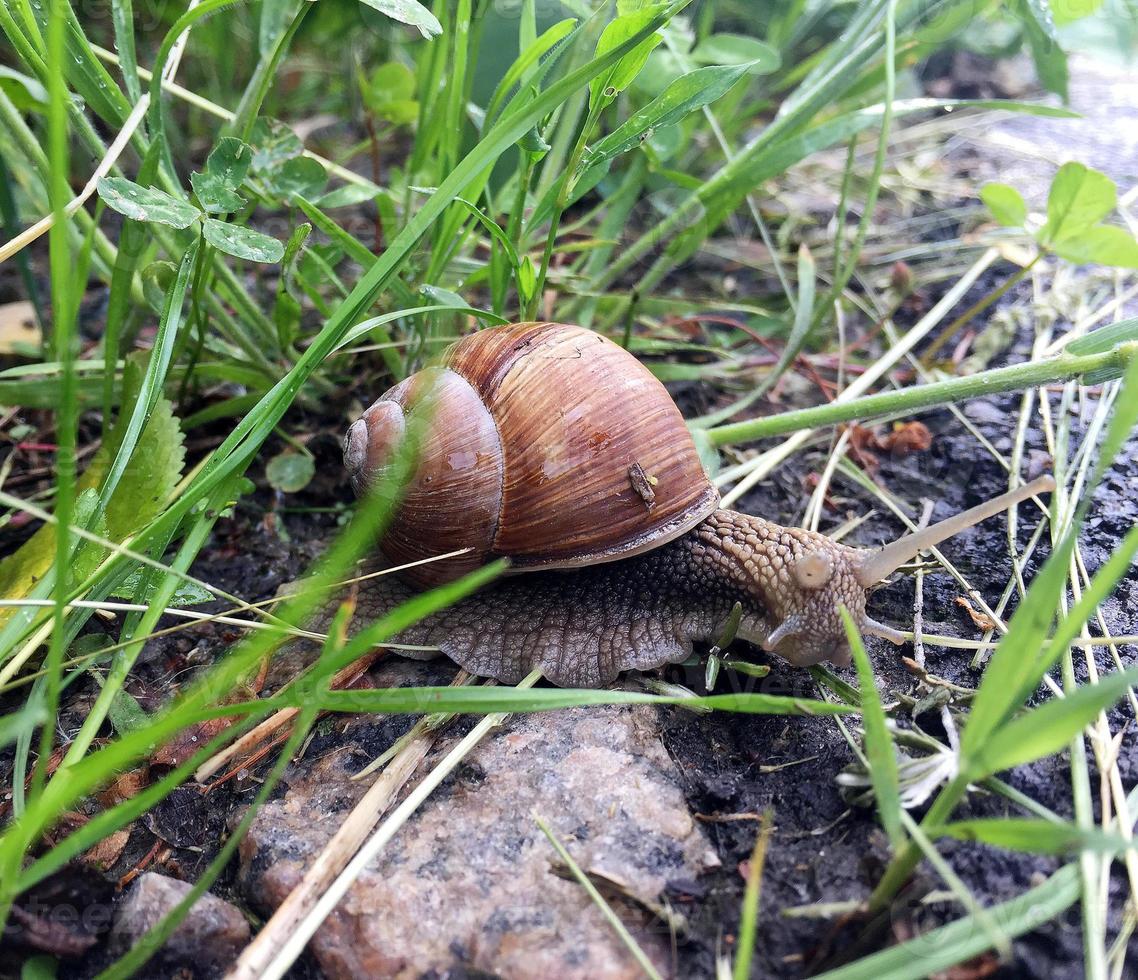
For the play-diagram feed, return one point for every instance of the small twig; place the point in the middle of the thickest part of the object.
(272, 725)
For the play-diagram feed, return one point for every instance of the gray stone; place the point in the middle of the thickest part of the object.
(207, 940)
(470, 881)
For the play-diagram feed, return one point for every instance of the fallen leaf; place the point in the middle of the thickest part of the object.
(107, 852)
(981, 619)
(984, 965)
(188, 741)
(126, 787)
(907, 437)
(904, 438)
(863, 441)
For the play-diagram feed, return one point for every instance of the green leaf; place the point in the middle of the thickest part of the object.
(1079, 198)
(39, 968)
(273, 144)
(534, 143)
(493, 228)
(25, 92)
(526, 277)
(934, 952)
(155, 466)
(686, 94)
(291, 258)
(1105, 338)
(214, 196)
(125, 713)
(617, 78)
(275, 15)
(1069, 13)
(488, 699)
(1033, 836)
(1050, 59)
(390, 94)
(351, 246)
(523, 67)
(290, 471)
(146, 203)
(409, 12)
(88, 554)
(140, 586)
(225, 169)
(1049, 728)
(441, 297)
(756, 56)
(1101, 245)
(879, 754)
(1006, 204)
(392, 80)
(301, 175)
(148, 481)
(349, 195)
(242, 242)
(229, 161)
(22, 722)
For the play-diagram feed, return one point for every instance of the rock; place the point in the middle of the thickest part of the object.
(470, 882)
(208, 939)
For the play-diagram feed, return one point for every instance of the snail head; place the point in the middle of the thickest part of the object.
(806, 578)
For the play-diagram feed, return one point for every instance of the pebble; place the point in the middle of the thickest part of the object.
(207, 940)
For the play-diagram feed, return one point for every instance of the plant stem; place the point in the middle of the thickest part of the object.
(64, 345)
(568, 182)
(1012, 378)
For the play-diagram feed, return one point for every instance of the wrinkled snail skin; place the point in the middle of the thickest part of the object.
(583, 627)
(551, 446)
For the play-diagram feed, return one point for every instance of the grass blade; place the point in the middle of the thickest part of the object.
(1048, 728)
(880, 755)
(1033, 836)
(962, 940)
(749, 917)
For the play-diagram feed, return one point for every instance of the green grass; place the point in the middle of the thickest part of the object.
(602, 155)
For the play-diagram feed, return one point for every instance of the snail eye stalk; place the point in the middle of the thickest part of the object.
(881, 564)
(813, 570)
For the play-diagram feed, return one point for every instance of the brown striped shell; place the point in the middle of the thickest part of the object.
(543, 443)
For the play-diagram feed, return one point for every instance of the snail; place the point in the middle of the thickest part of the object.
(552, 446)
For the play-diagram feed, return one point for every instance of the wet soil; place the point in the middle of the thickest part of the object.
(825, 851)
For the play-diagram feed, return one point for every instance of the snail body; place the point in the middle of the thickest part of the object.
(551, 446)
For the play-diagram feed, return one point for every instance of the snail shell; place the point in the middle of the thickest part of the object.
(544, 443)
